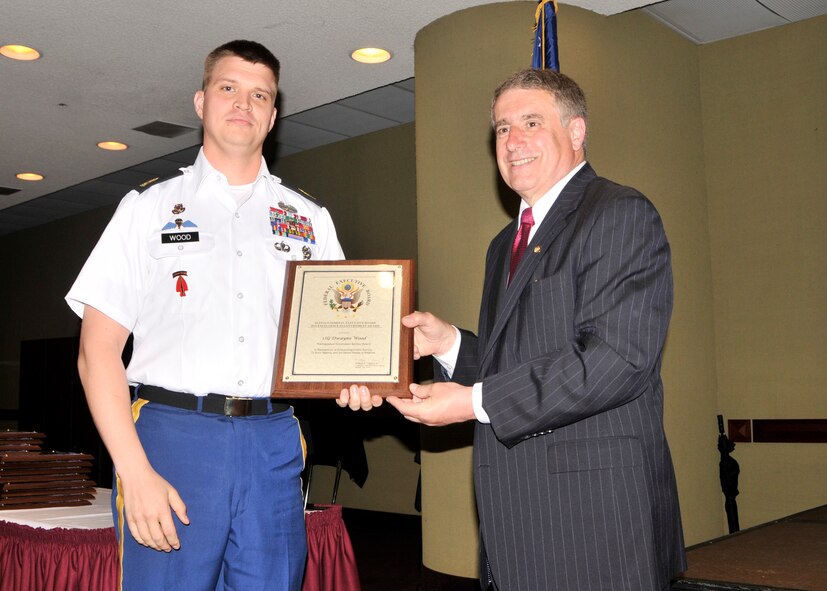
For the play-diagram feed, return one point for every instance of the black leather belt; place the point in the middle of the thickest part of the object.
(229, 406)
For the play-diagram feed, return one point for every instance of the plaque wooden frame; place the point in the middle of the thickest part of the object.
(287, 384)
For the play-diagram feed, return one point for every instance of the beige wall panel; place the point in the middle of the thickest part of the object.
(460, 59)
(391, 484)
(369, 185)
(765, 107)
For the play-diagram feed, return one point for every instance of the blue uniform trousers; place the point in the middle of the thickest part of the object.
(239, 478)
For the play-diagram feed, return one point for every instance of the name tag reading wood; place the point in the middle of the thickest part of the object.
(341, 324)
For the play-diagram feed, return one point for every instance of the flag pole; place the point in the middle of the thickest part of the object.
(545, 36)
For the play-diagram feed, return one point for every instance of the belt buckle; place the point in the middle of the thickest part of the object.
(237, 407)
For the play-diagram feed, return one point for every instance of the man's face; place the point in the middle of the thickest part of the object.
(237, 106)
(534, 150)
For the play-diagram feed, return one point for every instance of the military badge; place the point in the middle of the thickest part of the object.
(291, 225)
(180, 285)
(287, 207)
(183, 232)
(178, 209)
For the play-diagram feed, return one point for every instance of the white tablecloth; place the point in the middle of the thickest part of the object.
(95, 516)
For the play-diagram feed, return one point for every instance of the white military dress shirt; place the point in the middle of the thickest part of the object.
(198, 279)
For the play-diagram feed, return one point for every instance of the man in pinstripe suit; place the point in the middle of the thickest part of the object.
(573, 476)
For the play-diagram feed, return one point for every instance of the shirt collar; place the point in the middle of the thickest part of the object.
(544, 203)
(202, 169)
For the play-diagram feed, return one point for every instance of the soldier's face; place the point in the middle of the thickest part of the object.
(237, 106)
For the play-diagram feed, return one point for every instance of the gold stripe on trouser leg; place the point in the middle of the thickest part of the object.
(136, 412)
(304, 450)
(303, 442)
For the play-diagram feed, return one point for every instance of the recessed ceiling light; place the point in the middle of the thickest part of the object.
(29, 176)
(371, 55)
(20, 52)
(112, 146)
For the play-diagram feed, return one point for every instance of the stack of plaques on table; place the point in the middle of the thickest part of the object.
(32, 479)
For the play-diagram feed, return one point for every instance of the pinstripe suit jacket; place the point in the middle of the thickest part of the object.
(574, 480)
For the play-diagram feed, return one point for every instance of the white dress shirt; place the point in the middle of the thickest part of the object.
(539, 210)
(195, 270)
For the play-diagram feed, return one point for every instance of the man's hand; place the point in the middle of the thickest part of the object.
(147, 502)
(147, 496)
(432, 335)
(436, 405)
(357, 397)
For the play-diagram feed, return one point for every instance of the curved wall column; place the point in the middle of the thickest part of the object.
(460, 59)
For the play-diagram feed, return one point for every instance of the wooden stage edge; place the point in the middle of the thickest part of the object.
(787, 554)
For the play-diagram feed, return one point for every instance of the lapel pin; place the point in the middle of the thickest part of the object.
(537, 250)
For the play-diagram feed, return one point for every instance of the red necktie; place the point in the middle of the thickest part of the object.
(521, 240)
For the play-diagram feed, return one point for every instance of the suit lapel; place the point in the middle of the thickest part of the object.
(539, 247)
(496, 274)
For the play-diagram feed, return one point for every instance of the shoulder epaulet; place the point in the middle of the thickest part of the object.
(301, 192)
(158, 179)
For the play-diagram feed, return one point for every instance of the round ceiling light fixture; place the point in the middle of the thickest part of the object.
(20, 52)
(29, 176)
(371, 55)
(113, 146)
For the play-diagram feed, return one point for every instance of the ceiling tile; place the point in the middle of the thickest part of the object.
(342, 120)
(162, 167)
(83, 194)
(101, 187)
(23, 213)
(129, 178)
(186, 156)
(392, 102)
(406, 84)
(707, 21)
(283, 150)
(797, 10)
(58, 206)
(305, 136)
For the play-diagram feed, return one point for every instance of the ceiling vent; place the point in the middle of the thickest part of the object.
(164, 129)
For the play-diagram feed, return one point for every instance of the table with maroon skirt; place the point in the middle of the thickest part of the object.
(74, 548)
